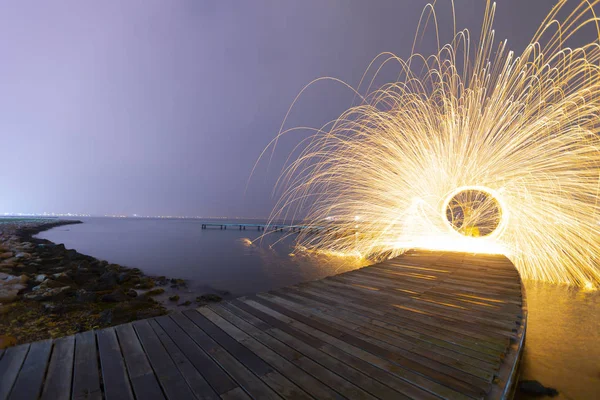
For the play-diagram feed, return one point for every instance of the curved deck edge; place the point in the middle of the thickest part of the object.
(508, 375)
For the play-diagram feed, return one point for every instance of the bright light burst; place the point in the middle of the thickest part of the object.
(474, 149)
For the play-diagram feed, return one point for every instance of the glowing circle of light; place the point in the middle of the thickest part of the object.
(524, 126)
(489, 222)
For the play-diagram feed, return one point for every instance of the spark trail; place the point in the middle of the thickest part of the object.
(474, 148)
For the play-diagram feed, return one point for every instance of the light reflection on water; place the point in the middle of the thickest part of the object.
(562, 348)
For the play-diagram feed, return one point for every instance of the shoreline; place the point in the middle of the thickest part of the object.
(49, 291)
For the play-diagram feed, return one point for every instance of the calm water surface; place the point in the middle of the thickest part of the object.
(178, 248)
(563, 333)
(562, 348)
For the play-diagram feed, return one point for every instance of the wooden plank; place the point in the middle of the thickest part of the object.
(437, 321)
(169, 377)
(488, 336)
(361, 373)
(384, 298)
(394, 278)
(338, 376)
(337, 327)
(243, 354)
(114, 374)
(507, 311)
(394, 336)
(413, 328)
(86, 378)
(287, 361)
(401, 372)
(30, 378)
(468, 273)
(198, 385)
(390, 294)
(220, 381)
(10, 365)
(286, 380)
(246, 379)
(469, 294)
(466, 270)
(143, 380)
(60, 370)
(235, 394)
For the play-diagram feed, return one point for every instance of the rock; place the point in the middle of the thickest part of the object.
(79, 327)
(178, 282)
(132, 293)
(174, 298)
(536, 388)
(72, 254)
(155, 292)
(115, 297)
(53, 308)
(162, 281)
(48, 293)
(7, 341)
(30, 268)
(106, 317)
(83, 296)
(7, 279)
(208, 298)
(113, 267)
(123, 277)
(40, 278)
(10, 285)
(7, 264)
(51, 283)
(51, 261)
(146, 283)
(4, 256)
(9, 294)
(83, 267)
(23, 255)
(107, 280)
(63, 278)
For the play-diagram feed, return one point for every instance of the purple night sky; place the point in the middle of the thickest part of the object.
(160, 107)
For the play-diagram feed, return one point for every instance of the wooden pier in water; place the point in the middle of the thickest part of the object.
(262, 227)
(425, 325)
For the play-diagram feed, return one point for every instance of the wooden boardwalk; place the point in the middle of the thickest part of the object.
(425, 325)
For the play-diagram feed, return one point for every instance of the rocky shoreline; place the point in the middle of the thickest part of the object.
(48, 291)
